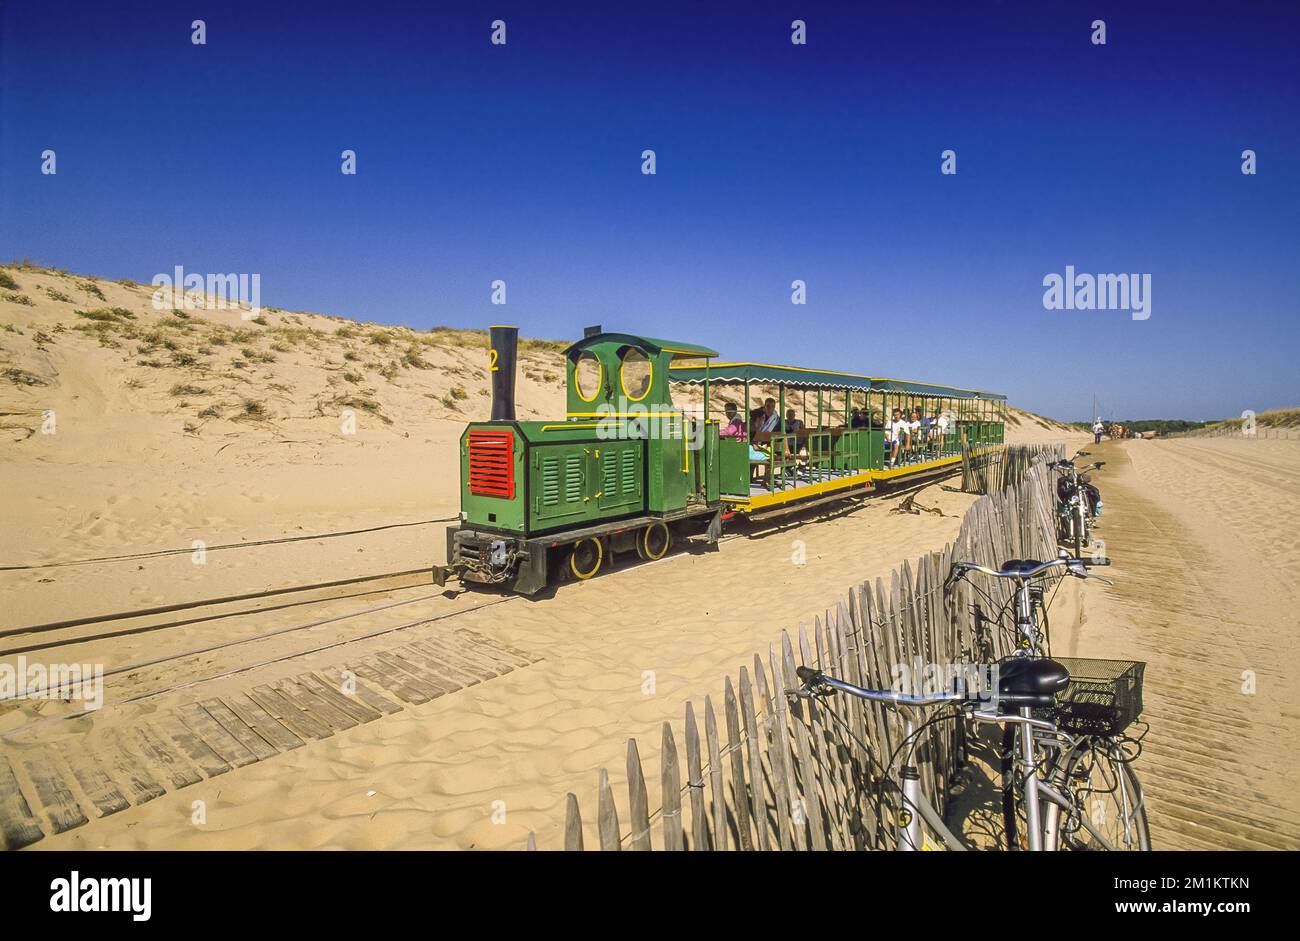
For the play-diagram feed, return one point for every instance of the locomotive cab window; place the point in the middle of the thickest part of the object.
(587, 375)
(635, 373)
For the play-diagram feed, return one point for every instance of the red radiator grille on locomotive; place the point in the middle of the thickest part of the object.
(492, 463)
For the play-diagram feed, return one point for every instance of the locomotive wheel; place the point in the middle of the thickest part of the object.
(653, 542)
(586, 558)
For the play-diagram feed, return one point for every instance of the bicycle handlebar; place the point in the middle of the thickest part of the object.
(1025, 574)
(816, 679)
(1070, 466)
(817, 683)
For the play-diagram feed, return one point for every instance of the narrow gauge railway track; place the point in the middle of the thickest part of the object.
(42, 631)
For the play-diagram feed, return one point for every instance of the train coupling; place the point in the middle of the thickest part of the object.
(444, 573)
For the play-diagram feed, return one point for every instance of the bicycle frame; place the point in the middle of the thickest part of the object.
(1043, 805)
(1026, 623)
(908, 837)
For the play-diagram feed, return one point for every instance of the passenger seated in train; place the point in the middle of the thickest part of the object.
(733, 426)
(792, 424)
(945, 423)
(859, 419)
(768, 418)
(923, 442)
(897, 437)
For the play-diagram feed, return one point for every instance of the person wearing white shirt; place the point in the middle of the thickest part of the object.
(1098, 429)
(900, 433)
(938, 431)
(770, 418)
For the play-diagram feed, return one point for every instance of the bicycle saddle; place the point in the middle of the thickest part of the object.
(1016, 566)
(1030, 681)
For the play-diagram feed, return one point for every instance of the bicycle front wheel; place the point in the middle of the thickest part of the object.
(1112, 811)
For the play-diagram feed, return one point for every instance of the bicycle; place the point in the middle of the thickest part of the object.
(1058, 734)
(1079, 502)
(1089, 750)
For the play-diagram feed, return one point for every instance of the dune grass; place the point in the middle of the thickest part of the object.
(106, 314)
(1273, 418)
(21, 377)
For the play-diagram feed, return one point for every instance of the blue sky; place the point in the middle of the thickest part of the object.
(775, 162)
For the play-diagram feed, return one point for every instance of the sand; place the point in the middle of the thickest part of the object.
(1203, 534)
(134, 468)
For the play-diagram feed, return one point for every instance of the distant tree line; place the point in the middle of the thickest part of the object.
(1161, 426)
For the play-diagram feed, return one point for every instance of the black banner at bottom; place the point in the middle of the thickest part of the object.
(369, 890)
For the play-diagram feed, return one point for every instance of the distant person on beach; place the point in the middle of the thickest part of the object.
(1097, 430)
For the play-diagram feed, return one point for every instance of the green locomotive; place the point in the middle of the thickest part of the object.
(627, 470)
(575, 491)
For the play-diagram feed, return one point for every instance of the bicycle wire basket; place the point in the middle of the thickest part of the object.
(1103, 697)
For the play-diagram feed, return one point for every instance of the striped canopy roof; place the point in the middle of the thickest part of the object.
(800, 377)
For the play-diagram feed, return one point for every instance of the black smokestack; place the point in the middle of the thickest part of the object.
(503, 342)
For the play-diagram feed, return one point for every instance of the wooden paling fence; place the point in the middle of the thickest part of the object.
(771, 772)
(991, 470)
